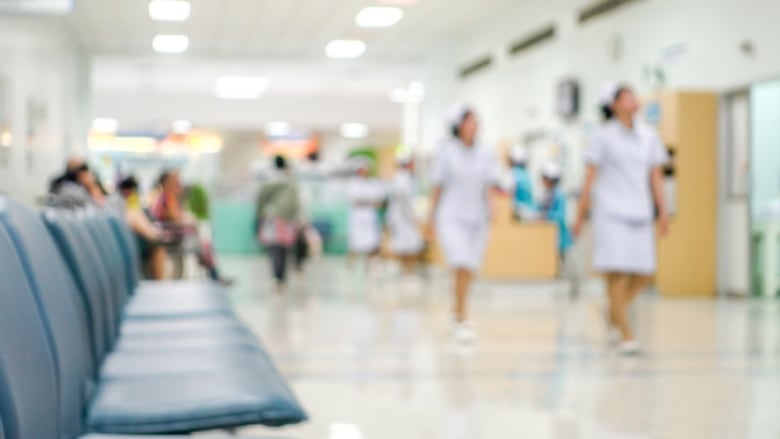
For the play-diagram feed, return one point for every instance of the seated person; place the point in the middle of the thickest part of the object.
(168, 211)
(553, 206)
(151, 239)
(77, 188)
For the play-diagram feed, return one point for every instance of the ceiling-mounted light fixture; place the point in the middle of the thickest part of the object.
(354, 130)
(345, 49)
(169, 10)
(241, 87)
(379, 16)
(181, 126)
(171, 43)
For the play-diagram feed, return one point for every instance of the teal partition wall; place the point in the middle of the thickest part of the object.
(233, 225)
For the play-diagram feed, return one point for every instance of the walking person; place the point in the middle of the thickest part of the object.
(279, 219)
(524, 205)
(625, 180)
(463, 175)
(553, 208)
(405, 236)
(366, 195)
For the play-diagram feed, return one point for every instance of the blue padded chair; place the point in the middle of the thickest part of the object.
(28, 380)
(183, 400)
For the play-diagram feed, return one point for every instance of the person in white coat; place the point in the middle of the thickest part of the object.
(366, 195)
(624, 178)
(406, 240)
(463, 175)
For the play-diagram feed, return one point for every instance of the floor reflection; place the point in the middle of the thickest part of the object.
(371, 354)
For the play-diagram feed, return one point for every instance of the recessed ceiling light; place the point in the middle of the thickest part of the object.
(169, 10)
(171, 43)
(241, 87)
(105, 125)
(181, 126)
(278, 129)
(354, 130)
(379, 16)
(346, 49)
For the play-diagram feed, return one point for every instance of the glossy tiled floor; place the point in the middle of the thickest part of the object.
(370, 358)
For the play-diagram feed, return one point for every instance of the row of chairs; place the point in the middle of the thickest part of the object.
(88, 348)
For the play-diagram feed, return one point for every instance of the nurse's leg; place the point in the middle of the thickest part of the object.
(637, 284)
(463, 279)
(617, 288)
(409, 264)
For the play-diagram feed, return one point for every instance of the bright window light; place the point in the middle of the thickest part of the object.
(171, 43)
(105, 125)
(169, 10)
(6, 138)
(241, 87)
(345, 49)
(354, 131)
(278, 129)
(379, 16)
(181, 126)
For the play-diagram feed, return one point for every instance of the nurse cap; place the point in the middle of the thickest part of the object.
(455, 114)
(518, 154)
(551, 171)
(608, 93)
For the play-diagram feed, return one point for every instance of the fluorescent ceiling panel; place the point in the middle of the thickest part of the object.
(169, 10)
(379, 16)
(171, 43)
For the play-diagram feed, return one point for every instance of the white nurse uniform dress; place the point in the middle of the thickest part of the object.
(405, 236)
(364, 228)
(623, 213)
(465, 176)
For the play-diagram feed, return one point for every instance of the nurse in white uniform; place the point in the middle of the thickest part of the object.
(624, 179)
(366, 195)
(464, 173)
(405, 238)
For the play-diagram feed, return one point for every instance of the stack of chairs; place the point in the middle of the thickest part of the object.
(86, 348)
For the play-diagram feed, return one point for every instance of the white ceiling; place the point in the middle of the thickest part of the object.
(282, 40)
(291, 29)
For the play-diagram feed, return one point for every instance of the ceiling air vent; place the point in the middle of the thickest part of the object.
(476, 66)
(601, 9)
(535, 39)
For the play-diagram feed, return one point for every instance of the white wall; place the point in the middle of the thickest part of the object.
(517, 94)
(41, 65)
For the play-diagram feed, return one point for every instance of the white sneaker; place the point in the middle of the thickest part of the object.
(464, 332)
(629, 348)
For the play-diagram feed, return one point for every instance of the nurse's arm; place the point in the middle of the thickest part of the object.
(657, 185)
(584, 205)
(431, 225)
